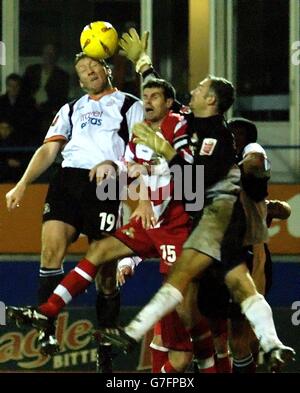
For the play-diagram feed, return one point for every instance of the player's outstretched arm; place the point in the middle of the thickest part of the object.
(40, 162)
(135, 49)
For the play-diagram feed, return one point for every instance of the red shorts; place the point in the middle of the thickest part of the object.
(173, 333)
(164, 241)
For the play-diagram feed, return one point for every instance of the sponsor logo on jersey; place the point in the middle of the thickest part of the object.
(93, 121)
(208, 147)
(93, 118)
(93, 114)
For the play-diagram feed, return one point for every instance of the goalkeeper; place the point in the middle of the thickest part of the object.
(219, 228)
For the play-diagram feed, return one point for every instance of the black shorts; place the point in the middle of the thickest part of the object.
(72, 199)
(213, 295)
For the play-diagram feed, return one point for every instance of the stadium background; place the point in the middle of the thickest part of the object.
(254, 44)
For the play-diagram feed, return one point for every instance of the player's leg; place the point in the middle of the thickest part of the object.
(159, 353)
(75, 282)
(243, 361)
(165, 300)
(178, 361)
(177, 339)
(106, 250)
(56, 238)
(107, 311)
(259, 314)
(100, 252)
(166, 360)
(197, 325)
(213, 303)
(108, 296)
(201, 248)
(61, 226)
(219, 328)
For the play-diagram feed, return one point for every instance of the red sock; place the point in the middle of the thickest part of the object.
(168, 368)
(73, 284)
(203, 347)
(158, 359)
(223, 364)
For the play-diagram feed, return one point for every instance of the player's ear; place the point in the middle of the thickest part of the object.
(211, 99)
(81, 84)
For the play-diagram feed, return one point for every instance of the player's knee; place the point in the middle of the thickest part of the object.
(52, 257)
(103, 250)
(180, 360)
(157, 340)
(240, 285)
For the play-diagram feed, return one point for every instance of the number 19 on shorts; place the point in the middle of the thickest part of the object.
(107, 221)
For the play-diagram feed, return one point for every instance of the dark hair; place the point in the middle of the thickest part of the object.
(82, 55)
(168, 89)
(237, 123)
(13, 77)
(224, 91)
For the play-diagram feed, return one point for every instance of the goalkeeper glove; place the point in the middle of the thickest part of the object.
(146, 136)
(135, 48)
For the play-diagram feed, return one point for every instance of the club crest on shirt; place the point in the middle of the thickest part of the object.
(185, 109)
(129, 232)
(208, 146)
(46, 208)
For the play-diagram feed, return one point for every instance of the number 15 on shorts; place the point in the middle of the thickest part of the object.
(168, 253)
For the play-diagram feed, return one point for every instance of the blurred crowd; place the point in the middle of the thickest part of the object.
(27, 109)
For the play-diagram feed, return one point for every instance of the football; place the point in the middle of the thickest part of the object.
(99, 40)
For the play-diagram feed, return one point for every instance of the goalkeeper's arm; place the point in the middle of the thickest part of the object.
(135, 49)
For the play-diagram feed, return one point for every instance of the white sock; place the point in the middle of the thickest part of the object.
(259, 314)
(164, 301)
